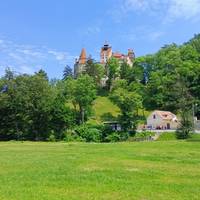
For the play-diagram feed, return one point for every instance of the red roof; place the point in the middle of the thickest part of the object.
(83, 57)
(118, 55)
(166, 115)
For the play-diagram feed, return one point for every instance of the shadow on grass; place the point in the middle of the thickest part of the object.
(108, 117)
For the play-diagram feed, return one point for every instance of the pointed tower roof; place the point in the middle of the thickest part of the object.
(83, 57)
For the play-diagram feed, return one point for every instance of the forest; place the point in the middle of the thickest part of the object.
(33, 107)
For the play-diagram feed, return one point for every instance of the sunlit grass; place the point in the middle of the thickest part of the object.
(103, 108)
(56, 171)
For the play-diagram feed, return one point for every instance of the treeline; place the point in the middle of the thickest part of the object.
(167, 80)
(32, 107)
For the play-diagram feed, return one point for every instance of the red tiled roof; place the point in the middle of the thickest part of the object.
(83, 57)
(166, 115)
(118, 55)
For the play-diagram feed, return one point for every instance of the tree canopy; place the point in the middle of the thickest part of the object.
(32, 107)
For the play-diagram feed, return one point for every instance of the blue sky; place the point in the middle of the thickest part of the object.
(48, 34)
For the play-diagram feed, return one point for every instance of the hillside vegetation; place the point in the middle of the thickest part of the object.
(103, 110)
(32, 107)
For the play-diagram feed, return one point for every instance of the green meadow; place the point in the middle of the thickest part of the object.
(163, 170)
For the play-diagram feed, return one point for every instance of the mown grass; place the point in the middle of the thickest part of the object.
(74, 171)
(194, 138)
(167, 136)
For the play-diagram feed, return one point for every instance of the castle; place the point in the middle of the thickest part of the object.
(105, 55)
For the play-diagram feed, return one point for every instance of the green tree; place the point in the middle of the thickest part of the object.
(9, 74)
(39, 104)
(136, 72)
(125, 69)
(25, 108)
(82, 93)
(67, 72)
(195, 42)
(186, 125)
(43, 74)
(185, 103)
(129, 103)
(95, 70)
(62, 117)
(113, 69)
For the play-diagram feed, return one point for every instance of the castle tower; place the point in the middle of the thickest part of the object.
(83, 57)
(131, 54)
(80, 64)
(106, 53)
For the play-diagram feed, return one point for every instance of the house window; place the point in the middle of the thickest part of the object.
(154, 116)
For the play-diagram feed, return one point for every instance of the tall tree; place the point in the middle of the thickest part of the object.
(25, 108)
(129, 103)
(95, 70)
(43, 74)
(185, 103)
(82, 93)
(113, 69)
(67, 72)
(125, 69)
(9, 74)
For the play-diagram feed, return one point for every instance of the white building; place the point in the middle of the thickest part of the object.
(163, 120)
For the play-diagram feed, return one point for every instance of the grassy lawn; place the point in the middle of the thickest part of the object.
(103, 109)
(74, 171)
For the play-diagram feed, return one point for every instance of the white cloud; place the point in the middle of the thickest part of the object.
(92, 30)
(26, 69)
(124, 7)
(16, 57)
(166, 10)
(155, 35)
(140, 5)
(143, 33)
(27, 58)
(186, 9)
(60, 56)
(30, 52)
(132, 36)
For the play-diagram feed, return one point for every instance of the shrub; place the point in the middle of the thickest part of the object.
(91, 133)
(72, 136)
(183, 134)
(69, 136)
(113, 137)
(94, 135)
(88, 133)
(143, 134)
(52, 138)
(117, 137)
(106, 131)
(124, 136)
(186, 126)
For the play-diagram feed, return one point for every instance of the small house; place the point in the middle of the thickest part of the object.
(163, 120)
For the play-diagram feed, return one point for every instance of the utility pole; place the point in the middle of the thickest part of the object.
(193, 115)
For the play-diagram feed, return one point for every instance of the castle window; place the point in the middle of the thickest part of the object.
(154, 116)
